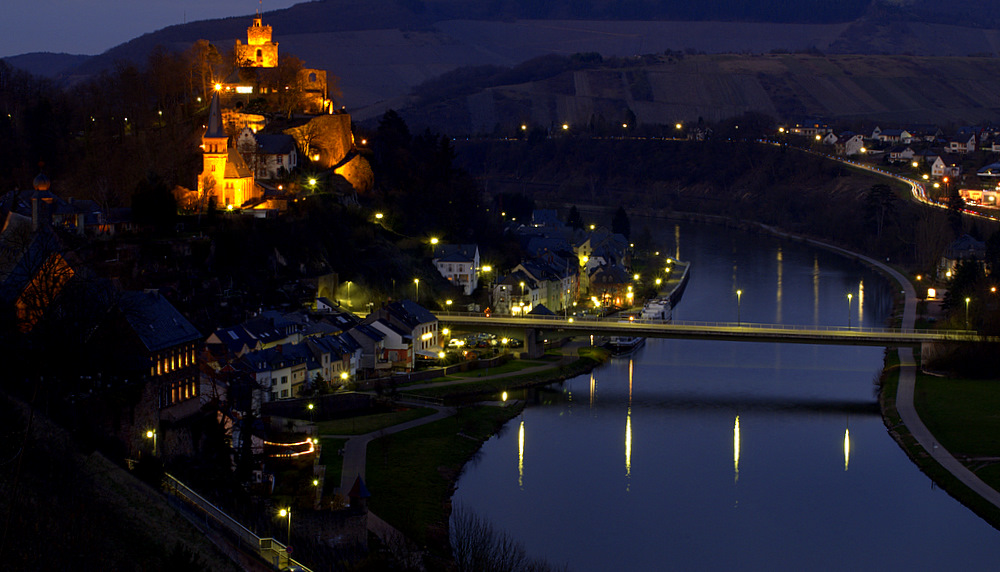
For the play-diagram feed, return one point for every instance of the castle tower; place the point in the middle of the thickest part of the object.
(259, 51)
(215, 151)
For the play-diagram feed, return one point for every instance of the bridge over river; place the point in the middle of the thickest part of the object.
(732, 331)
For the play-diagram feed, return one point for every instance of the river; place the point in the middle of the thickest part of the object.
(706, 455)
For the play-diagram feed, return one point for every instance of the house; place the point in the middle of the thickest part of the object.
(515, 293)
(892, 136)
(268, 155)
(946, 167)
(415, 321)
(849, 143)
(962, 143)
(459, 264)
(397, 346)
(611, 285)
(283, 369)
(901, 154)
(339, 357)
(371, 342)
(233, 341)
(963, 248)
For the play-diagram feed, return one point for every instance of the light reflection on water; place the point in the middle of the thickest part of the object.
(736, 454)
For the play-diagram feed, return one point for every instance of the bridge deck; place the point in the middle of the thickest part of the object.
(716, 330)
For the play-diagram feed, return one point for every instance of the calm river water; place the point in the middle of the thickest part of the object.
(700, 455)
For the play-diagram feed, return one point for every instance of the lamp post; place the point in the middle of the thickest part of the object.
(967, 300)
(416, 286)
(151, 434)
(522, 293)
(287, 513)
(311, 407)
(849, 297)
(348, 293)
(739, 296)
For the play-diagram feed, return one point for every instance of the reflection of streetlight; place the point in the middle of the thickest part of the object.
(287, 513)
(849, 297)
(151, 434)
(967, 300)
(739, 296)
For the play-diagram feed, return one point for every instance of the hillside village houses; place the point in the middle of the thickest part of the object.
(561, 266)
(459, 264)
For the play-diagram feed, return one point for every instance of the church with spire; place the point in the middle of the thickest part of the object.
(224, 174)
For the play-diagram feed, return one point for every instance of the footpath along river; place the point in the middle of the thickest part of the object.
(703, 455)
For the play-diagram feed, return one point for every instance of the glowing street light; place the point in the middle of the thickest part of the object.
(287, 513)
(967, 300)
(378, 216)
(151, 434)
(348, 292)
(416, 287)
(434, 240)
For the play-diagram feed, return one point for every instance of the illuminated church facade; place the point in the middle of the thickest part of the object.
(225, 175)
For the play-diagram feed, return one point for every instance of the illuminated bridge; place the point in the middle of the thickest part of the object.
(731, 331)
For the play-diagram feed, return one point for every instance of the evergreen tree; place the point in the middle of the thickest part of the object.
(620, 223)
(573, 219)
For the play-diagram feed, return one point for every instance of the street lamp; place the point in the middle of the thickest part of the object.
(287, 513)
(849, 297)
(739, 296)
(416, 287)
(967, 300)
(348, 293)
(151, 434)
(311, 407)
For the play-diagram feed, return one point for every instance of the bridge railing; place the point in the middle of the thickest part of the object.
(520, 321)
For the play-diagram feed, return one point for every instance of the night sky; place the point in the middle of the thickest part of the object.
(93, 26)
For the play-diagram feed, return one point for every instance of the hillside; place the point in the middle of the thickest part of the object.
(866, 90)
(72, 510)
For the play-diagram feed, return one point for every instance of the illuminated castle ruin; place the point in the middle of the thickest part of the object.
(259, 51)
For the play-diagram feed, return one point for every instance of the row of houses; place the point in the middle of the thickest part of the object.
(295, 353)
(564, 266)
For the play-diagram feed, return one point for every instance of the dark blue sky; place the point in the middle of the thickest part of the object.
(93, 26)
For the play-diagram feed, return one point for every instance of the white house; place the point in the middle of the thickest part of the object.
(459, 263)
(270, 155)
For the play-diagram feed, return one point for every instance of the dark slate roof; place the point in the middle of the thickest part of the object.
(965, 247)
(368, 331)
(541, 310)
(410, 313)
(235, 338)
(215, 126)
(275, 143)
(455, 252)
(392, 327)
(236, 167)
(155, 320)
(610, 274)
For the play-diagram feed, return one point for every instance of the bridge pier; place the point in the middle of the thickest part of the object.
(534, 347)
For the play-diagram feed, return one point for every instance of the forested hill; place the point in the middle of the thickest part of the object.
(738, 179)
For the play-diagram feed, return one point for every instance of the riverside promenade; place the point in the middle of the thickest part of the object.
(908, 379)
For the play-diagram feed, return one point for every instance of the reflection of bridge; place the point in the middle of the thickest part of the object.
(746, 332)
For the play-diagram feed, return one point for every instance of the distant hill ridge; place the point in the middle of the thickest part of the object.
(381, 49)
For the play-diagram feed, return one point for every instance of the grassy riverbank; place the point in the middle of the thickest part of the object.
(588, 358)
(962, 415)
(412, 474)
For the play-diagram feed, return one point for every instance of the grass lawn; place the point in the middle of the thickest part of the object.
(411, 474)
(509, 367)
(964, 416)
(368, 423)
(330, 457)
